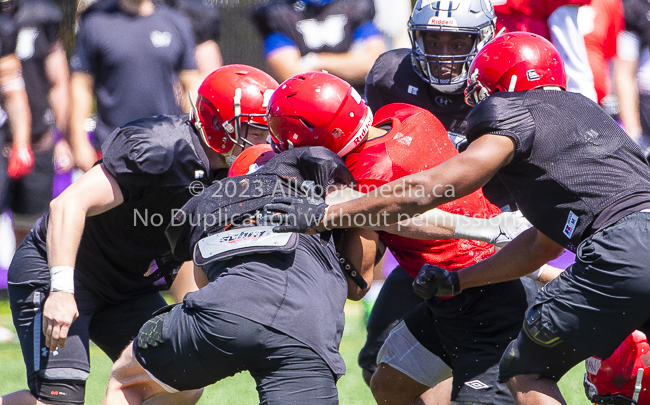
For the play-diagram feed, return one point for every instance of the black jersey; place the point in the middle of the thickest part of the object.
(135, 62)
(392, 79)
(332, 27)
(301, 293)
(636, 19)
(38, 23)
(574, 170)
(8, 36)
(154, 161)
(204, 16)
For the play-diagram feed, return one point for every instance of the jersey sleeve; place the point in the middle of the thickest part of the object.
(366, 31)
(49, 17)
(84, 57)
(503, 116)
(269, 21)
(135, 159)
(205, 19)
(186, 60)
(9, 33)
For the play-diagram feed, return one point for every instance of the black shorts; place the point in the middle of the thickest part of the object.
(111, 326)
(470, 332)
(598, 301)
(30, 196)
(202, 346)
(395, 300)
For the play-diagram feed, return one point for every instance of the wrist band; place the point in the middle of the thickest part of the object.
(62, 279)
(537, 273)
(323, 221)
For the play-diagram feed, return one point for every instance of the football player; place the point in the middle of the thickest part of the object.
(88, 268)
(443, 337)
(274, 302)
(579, 179)
(338, 36)
(431, 75)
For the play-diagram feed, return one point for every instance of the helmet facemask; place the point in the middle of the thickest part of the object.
(445, 72)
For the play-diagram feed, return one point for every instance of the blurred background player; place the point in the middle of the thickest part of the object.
(16, 156)
(129, 57)
(338, 36)
(442, 337)
(87, 270)
(557, 21)
(632, 73)
(47, 82)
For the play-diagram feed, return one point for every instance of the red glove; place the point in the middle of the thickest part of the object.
(21, 161)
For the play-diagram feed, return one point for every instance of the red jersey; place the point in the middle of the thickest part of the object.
(529, 15)
(417, 141)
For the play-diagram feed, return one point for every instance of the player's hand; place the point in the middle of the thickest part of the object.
(297, 214)
(21, 161)
(85, 155)
(59, 311)
(434, 281)
(63, 159)
(511, 224)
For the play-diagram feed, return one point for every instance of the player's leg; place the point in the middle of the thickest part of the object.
(53, 378)
(182, 349)
(588, 310)
(289, 372)
(409, 368)
(395, 300)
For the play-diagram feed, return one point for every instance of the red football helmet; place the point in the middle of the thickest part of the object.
(318, 109)
(251, 159)
(229, 96)
(516, 61)
(624, 377)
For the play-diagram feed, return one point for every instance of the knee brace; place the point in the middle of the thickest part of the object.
(59, 386)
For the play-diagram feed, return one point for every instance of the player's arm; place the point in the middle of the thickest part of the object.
(208, 58)
(12, 87)
(81, 104)
(627, 90)
(190, 278)
(420, 192)
(95, 192)
(353, 65)
(56, 69)
(190, 81)
(359, 247)
(524, 255)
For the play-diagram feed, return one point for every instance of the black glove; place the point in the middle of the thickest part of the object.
(297, 214)
(436, 281)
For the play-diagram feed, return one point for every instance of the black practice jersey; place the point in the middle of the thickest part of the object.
(574, 170)
(301, 293)
(154, 161)
(328, 28)
(38, 23)
(392, 79)
(8, 35)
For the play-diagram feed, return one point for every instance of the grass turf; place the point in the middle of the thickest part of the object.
(240, 389)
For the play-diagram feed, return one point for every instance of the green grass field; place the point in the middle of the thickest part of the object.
(240, 389)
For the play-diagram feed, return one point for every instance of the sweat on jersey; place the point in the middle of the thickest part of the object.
(416, 142)
(574, 171)
(154, 161)
(135, 62)
(38, 23)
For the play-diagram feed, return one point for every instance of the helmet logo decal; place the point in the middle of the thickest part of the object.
(513, 83)
(449, 21)
(532, 75)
